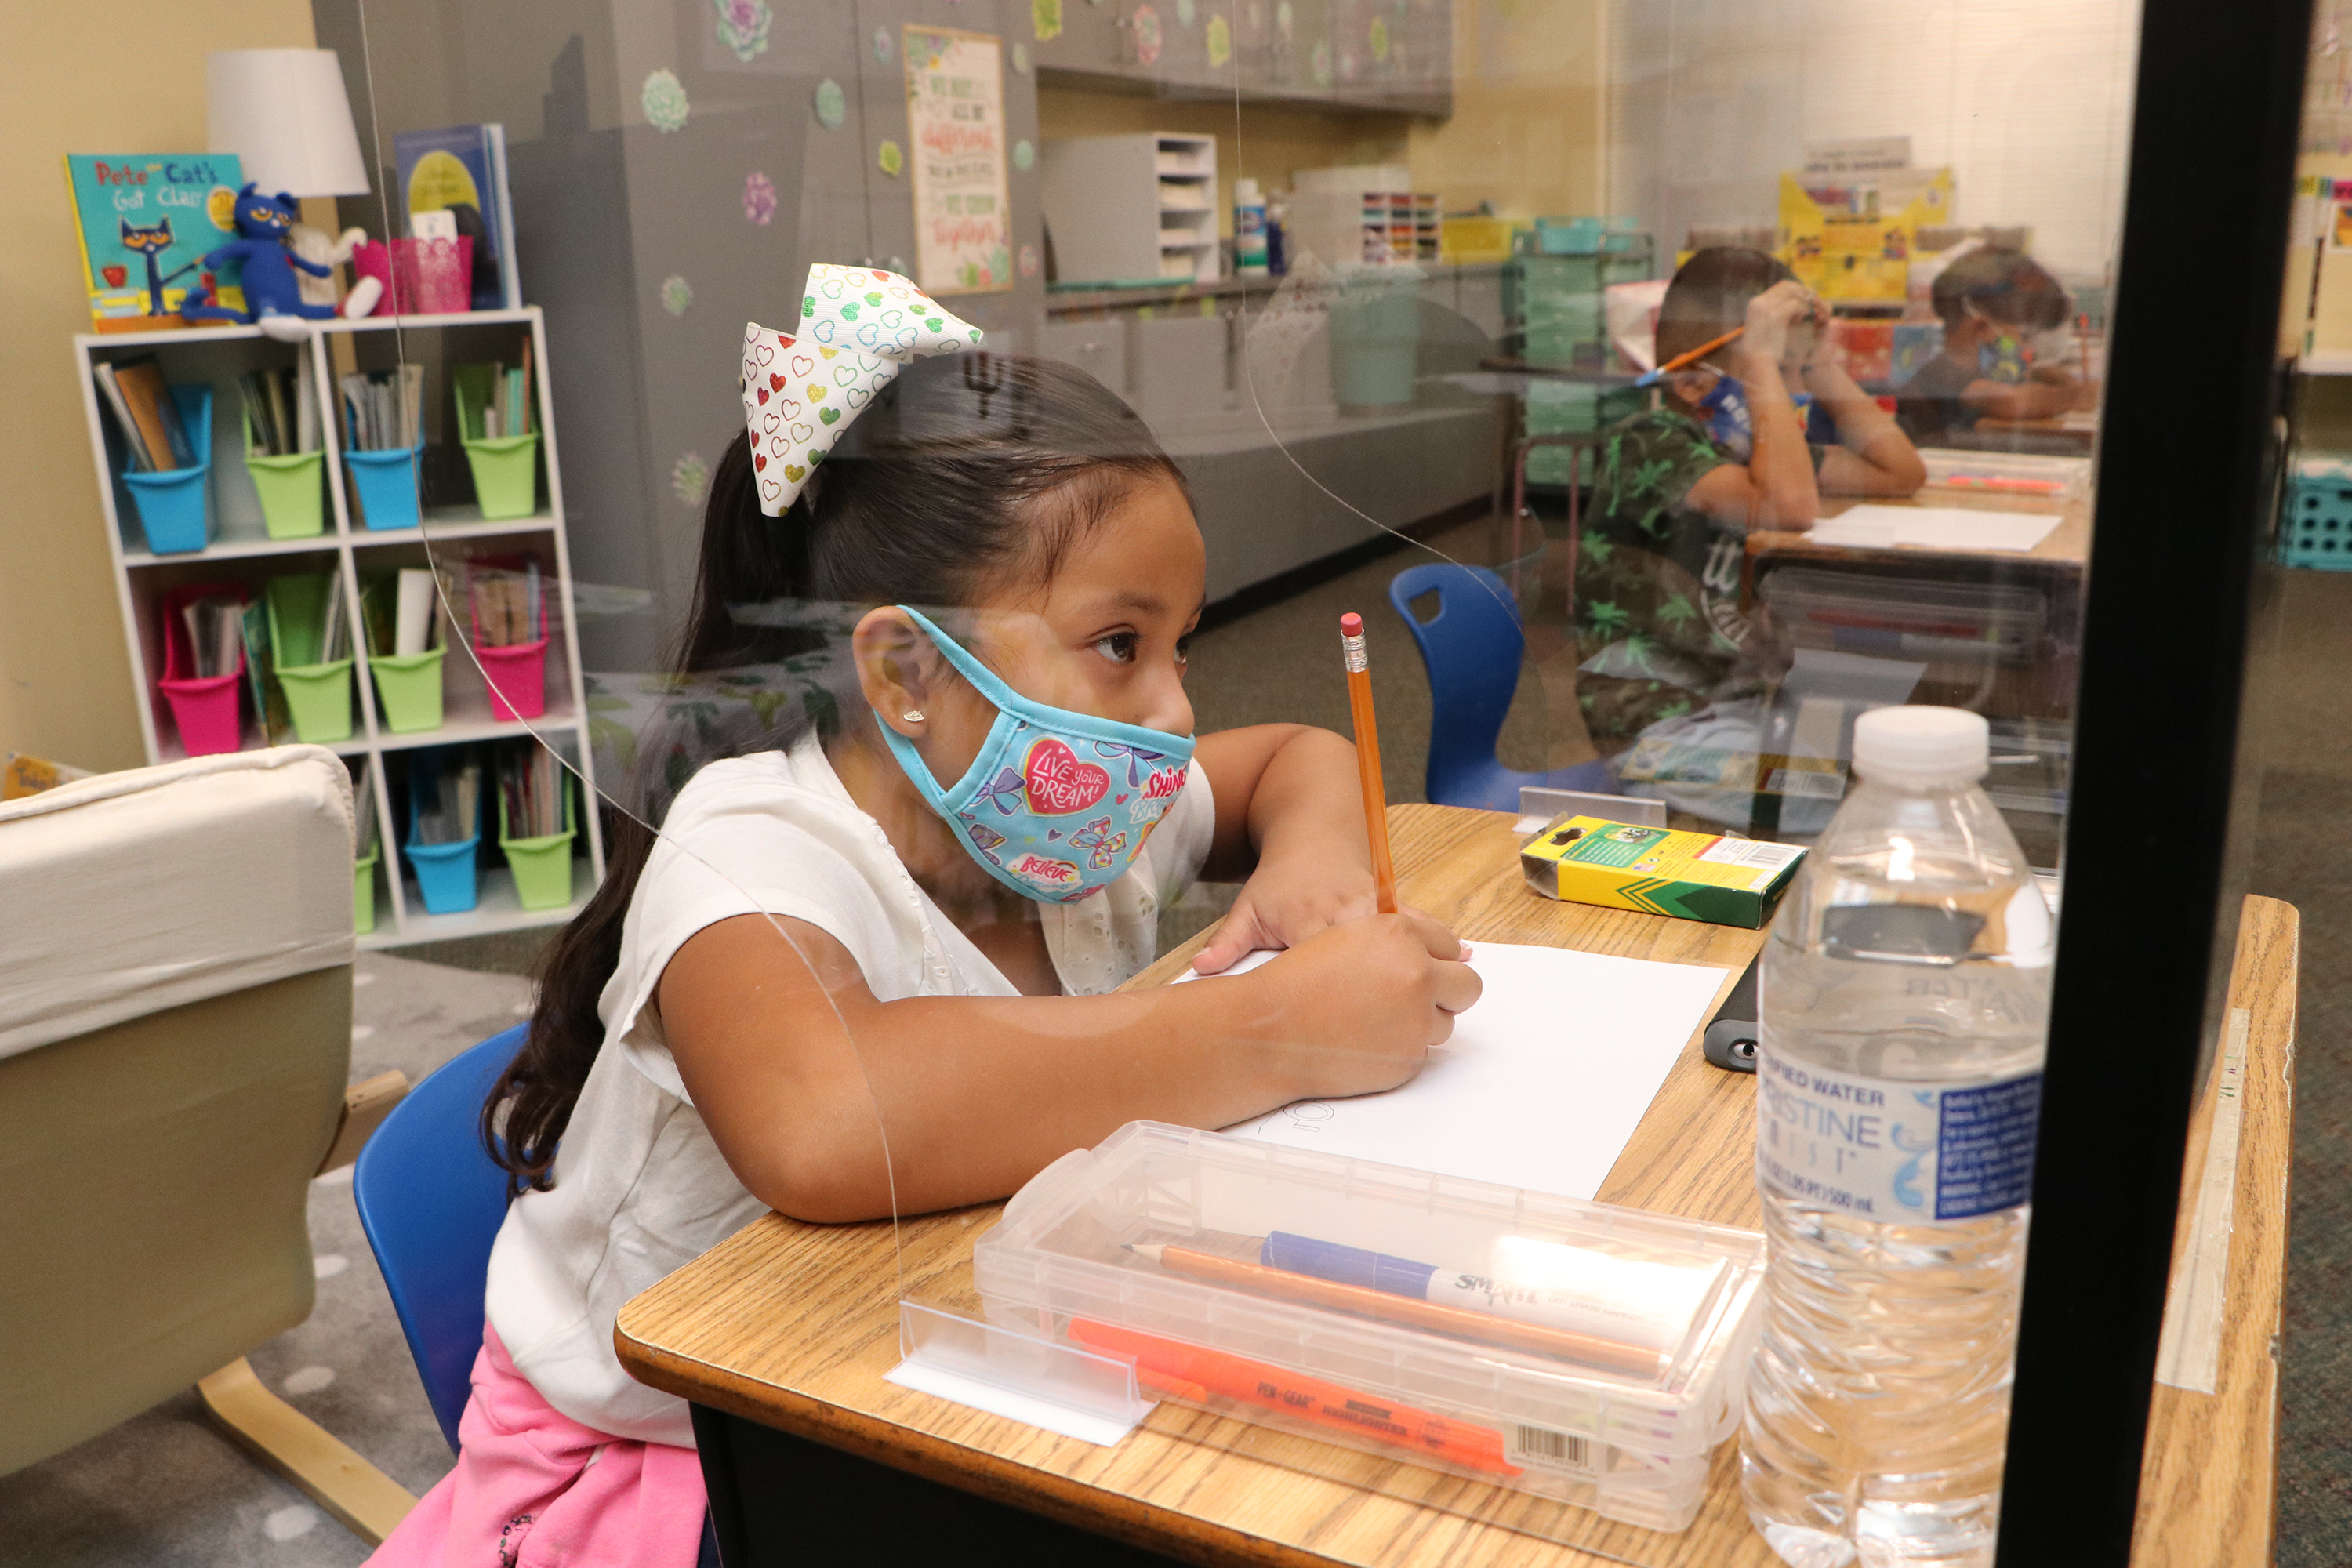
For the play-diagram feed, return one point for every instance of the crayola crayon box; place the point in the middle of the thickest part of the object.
(1660, 870)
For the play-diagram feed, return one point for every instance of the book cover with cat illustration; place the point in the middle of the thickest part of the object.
(146, 221)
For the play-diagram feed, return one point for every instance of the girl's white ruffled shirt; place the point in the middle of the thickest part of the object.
(640, 1189)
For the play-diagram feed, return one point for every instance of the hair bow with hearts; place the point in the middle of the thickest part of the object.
(858, 328)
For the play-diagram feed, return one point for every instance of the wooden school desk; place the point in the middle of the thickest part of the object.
(782, 1334)
(2064, 549)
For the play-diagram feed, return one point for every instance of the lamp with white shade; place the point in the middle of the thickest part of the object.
(286, 115)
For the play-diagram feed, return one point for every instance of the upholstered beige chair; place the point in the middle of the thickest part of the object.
(176, 1010)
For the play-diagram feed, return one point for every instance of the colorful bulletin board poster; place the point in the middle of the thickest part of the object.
(145, 220)
(955, 110)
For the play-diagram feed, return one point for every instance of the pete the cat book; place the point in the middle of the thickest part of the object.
(146, 221)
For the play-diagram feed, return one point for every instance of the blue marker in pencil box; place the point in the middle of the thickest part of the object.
(1632, 1301)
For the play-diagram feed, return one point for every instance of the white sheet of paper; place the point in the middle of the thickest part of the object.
(1934, 528)
(1542, 1083)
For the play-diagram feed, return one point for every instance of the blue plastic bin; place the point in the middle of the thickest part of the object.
(446, 873)
(175, 508)
(386, 484)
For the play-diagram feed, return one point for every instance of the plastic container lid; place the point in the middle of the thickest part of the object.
(1921, 745)
(1245, 193)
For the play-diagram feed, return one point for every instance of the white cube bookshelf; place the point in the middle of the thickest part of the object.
(1131, 209)
(241, 550)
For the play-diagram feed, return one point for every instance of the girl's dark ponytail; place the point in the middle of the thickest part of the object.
(969, 472)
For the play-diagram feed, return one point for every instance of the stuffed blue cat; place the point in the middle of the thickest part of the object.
(267, 278)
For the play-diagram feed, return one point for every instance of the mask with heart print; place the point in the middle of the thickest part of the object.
(1058, 803)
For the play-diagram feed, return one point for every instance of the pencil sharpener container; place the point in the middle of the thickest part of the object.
(207, 710)
(386, 484)
(317, 692)
(541, 864)
(364, 894)
(174, 506)
(1645, 1321)
(408, 690)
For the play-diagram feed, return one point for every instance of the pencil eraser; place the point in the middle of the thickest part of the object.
(1351, 625)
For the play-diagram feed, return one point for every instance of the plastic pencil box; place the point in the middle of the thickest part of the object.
(1645, 1321)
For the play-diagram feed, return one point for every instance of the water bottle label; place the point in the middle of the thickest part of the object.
(1895, 1153)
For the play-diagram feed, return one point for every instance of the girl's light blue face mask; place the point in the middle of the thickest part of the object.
(1729, 422)
(1058, 803)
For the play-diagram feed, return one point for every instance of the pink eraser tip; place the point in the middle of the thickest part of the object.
(1352, 624)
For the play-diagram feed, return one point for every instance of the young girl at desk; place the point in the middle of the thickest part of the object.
(906, 922)
(1748, 436)
(1996, 306)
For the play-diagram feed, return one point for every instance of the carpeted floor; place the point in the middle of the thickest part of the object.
(165, 1490)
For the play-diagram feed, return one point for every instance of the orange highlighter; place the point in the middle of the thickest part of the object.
(1189, 1371)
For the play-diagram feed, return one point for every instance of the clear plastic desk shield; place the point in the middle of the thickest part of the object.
(876, 809)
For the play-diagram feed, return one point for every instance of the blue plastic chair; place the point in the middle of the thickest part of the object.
(1471, 648)
(431, 1203)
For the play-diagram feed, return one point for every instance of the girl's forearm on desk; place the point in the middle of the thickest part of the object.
(803, 1077)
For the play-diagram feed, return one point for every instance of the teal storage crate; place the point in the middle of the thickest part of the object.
(2316, 530)
(447, 874)
(175, 507)
(386, 484)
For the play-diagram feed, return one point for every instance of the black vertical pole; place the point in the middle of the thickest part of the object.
(2186, 451)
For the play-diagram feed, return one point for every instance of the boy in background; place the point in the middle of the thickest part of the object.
(1750, 436)
(1993, 303)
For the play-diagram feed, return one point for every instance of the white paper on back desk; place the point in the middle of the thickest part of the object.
(1542, 1083)
(1935, 528)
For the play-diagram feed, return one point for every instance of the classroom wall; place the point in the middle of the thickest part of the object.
(135, 86)
(1530, 110)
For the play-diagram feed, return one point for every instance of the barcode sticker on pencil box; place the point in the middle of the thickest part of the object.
(1548, 1449)
(1751, 852)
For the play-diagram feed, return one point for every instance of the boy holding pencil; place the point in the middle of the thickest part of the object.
(1756, 423)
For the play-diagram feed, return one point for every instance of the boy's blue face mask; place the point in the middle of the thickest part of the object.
(1729, 422)
(1058, 803)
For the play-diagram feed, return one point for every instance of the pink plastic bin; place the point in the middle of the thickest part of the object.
(518, 677)
(420, 276)
(205, 709)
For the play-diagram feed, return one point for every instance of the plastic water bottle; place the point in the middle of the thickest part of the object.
(1906, 990)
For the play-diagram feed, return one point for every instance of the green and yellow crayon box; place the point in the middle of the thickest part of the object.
(1690, 876)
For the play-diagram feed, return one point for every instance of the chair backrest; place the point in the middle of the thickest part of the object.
(1471, 648)
(431, 1203)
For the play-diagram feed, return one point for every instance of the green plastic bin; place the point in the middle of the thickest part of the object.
(408, 690)
(364, 893)
(292, 490)
(318, 696)
(506, 467)
(542, 866)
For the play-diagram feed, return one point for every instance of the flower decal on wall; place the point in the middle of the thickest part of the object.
(1020, 60)
(890, 159)
(1028, 261)
(1220, 41)
(882, 45)
(743, 27)
(664, 100)
(1183, 13)
(1148, 40)
(676, 294)
(1024, 155)
(759, 198)
(688, 477)
(1045, 17)
(832, 104)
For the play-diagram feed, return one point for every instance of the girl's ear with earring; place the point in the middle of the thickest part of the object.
(912, 715)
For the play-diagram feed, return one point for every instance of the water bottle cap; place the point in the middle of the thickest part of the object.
(1245, 193)
(1921, 745)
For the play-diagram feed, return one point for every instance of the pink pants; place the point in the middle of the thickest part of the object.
(534, 1488)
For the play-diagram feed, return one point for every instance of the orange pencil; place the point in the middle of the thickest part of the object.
(1687, 358)
(1368, 759)
(1607, 1355)
(1189, 1371)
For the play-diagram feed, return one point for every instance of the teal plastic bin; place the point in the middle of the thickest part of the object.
(387, 485)
(175, 508)
(446, 873)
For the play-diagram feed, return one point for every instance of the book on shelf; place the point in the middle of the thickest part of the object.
(396, 612)
(216, 628)
(146, 221)
(505, 600)
(281, 410)
(383, 410)
(448, 798)
(462, 170)
(533, 782)
(134, 392)
(366, 831)
(260, 675)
